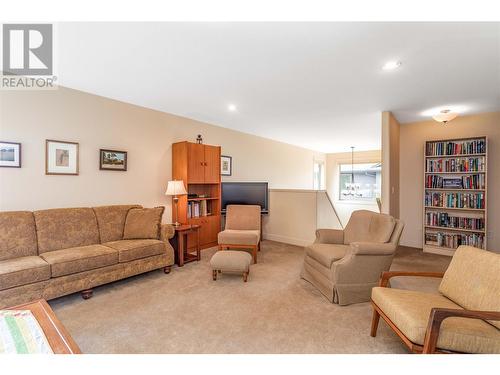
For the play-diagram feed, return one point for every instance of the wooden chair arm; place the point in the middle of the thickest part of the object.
(384, 278)
(439, 314)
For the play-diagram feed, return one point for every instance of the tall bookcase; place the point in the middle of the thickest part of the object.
(198, 166)
(455, 194)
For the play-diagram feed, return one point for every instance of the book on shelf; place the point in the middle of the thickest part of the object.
(445, 220)
(452, 241)
(462, 164)
(197, 209)
(445, 148)
(475, 181)
(455, 200)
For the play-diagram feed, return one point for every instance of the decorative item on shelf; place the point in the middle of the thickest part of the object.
(61, 157)
(199, 139)
(226, 165)
(445, 116)
(10, 154)
(112, 160)
(176, 188)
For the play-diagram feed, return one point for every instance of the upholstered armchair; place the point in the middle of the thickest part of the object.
(242, 230)
(344, 265)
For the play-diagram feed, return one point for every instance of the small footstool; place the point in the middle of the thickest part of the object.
(231, 261)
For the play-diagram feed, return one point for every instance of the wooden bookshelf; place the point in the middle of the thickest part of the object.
(455, 194)
(198, 165)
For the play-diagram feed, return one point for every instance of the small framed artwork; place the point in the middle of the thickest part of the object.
(112, 160)
(10, 154)
(61, 157)
(226, 165)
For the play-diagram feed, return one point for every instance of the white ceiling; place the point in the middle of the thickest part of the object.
(316, 85)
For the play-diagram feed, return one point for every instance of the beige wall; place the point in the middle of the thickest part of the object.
(413, 137)
(95, 122)
(292, 217)
(333, 161)
(390, 164)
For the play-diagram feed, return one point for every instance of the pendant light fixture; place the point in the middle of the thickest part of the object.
(352, 165)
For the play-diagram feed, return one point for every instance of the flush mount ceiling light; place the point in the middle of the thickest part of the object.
(392, 65)
(231, 108)
(445, 116)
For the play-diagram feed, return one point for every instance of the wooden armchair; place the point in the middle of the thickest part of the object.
(470, 293)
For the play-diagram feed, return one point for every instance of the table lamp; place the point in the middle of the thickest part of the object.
(176, 188)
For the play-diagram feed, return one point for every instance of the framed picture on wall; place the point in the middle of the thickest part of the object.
(61, 157)
(112, 160)
(10, 154)
(226, 165)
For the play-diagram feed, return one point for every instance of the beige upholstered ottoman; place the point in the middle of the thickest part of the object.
(231, 261)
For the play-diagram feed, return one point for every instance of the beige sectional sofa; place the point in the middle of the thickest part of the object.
(51, 253)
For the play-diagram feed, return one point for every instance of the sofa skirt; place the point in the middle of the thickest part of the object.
(64, 285)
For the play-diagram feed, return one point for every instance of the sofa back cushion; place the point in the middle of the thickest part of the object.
(62, 228)
(111, 221)
(143, 223)
(243, 217)
(17, 235)
(472, 280)
(368, 226)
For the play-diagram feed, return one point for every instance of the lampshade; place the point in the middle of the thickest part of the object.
(445, 116)
(176, 187)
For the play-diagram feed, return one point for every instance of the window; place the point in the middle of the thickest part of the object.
(319, 175)
(367, 181)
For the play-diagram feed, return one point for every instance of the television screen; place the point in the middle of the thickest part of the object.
(245, 193)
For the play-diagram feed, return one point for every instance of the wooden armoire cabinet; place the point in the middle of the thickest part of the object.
(198, 165)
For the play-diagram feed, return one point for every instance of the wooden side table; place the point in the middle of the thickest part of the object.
(179, 243)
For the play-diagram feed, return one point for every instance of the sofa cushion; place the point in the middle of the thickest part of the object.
(79, 259)
(326, 254)
(410, 310)
(143, 223)
(111, 221)
(472, 280)
(22, 271)
(368, 226)
(17, 234)
(136, 249)
(239, 237)
(243, 217)
(62, 228)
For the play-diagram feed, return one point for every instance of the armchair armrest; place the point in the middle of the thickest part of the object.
(332, 236)
(384, 279)
(372, 248)
(167, 231)
(439, 314)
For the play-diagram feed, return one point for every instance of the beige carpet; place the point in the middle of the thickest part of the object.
(275, 312)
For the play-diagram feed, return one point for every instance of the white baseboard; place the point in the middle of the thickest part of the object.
(286, 239)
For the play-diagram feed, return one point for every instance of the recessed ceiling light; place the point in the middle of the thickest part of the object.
(231, 108)
(391, 65)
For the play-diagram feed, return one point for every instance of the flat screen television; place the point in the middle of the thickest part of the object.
(245, 193)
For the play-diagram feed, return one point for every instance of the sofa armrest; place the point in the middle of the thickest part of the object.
(439, 314)
(332, 236)
(384, 278)
(167, 231)
(372, 248)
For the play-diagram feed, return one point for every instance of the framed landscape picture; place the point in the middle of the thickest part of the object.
(61, 157)
(10, 154)
(112, 160)
(226, 165)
